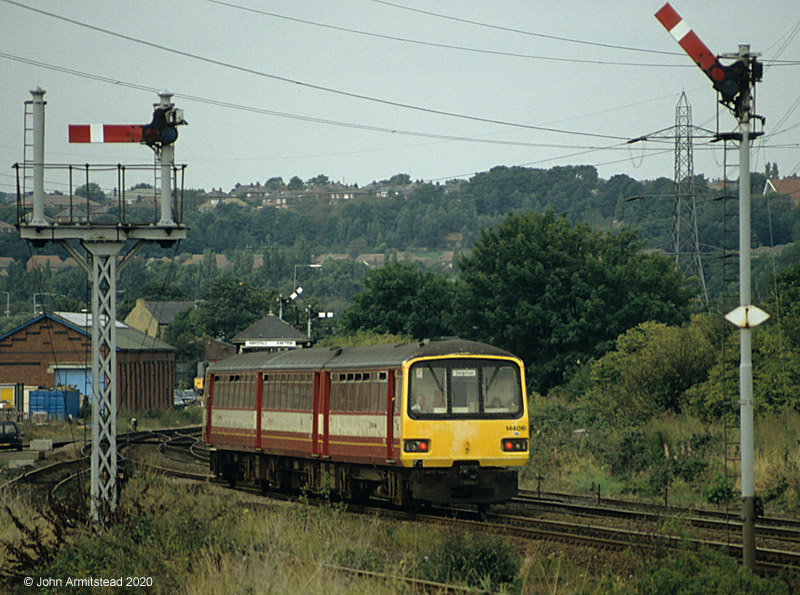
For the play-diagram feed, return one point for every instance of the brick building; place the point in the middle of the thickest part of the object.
(55, 350)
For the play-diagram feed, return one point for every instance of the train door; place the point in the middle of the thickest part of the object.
(321, 410)
(259, 407)
(209, 400)
(391, 398)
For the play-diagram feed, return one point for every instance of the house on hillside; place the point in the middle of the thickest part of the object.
(40, 261)
(5, 262)
(252, 193)
(788, 186)
(282, 198)
(372, 260)
(331, 256)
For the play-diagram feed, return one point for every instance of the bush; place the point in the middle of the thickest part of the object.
(719, 492)
(475, 560)
(705, 572)
(158, 530)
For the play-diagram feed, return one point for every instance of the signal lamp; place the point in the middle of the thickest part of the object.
(159, 131)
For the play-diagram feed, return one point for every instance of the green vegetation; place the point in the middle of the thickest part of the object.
(557, 294)
(197, 539)
(632, 385)
(674, 458)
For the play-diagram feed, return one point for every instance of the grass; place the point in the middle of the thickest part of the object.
(197, 538)
(675, 457)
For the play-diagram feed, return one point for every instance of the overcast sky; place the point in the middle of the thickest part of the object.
(360, 90)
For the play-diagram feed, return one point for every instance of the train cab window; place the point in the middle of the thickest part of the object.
(465, 388)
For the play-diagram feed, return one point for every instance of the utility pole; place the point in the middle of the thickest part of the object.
(733, 84)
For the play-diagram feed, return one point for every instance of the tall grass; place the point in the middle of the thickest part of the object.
(199, 538)
(671, 457)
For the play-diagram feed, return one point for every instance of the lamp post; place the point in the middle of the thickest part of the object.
(42, 301)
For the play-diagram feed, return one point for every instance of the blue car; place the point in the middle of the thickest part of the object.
(10, 436)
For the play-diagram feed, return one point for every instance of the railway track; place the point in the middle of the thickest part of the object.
(773, 528)
(55, 476)
(590, 522)
(597, 524)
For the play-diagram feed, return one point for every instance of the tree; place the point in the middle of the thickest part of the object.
(318, 180)
(559, 294)
(91, 191)
(402, 299)
(652, 367)
(295, 183)
(228, 307)
(274, 183)
(398, 180)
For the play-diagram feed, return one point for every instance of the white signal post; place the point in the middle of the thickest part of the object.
(167, 158)
(733, 82)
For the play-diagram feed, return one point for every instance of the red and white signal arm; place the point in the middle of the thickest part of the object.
(105, 133)
(686, 37)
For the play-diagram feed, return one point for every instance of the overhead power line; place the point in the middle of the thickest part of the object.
(529, 33)
(316, 87)
(450, 46)
(264, 111)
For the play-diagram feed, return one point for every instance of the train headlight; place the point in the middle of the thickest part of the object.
(416, 445)
(514, 445)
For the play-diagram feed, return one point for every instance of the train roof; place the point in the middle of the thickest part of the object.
(336, 358)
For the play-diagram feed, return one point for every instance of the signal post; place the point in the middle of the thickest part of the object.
(104, 243)
(733, 83)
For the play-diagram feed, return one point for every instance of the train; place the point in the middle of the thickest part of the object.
(430, 422)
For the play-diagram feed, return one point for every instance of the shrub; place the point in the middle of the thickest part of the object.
(705, 572)
(476, 560)
(719, 492)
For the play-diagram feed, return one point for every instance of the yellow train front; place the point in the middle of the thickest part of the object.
(438, 421)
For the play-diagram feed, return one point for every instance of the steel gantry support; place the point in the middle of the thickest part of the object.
(104, 365)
